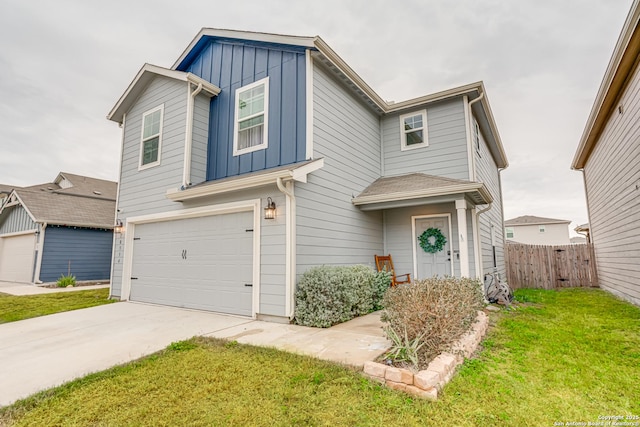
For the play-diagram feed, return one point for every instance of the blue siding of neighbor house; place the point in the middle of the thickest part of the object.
(89, 252)
(231, 65)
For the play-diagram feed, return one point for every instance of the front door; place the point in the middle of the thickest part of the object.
(432, 264)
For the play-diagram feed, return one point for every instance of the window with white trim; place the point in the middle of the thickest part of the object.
(509, 232)
(151, 139)
(541, 228)
(413, 130)
(476, 136)
(251, 117)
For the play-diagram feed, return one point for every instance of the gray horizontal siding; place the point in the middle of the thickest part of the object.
(612, 179)
(446, 155)
(85, 253)
(143, 192)
(330, 230)
(16, 219)
(200, 140)
(487, 172)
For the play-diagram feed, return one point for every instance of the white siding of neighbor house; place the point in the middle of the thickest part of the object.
(330, 229)
(144, 192)
(487, 172)
(446, 155)
(399, 240)
(612, 181)
(554, 234)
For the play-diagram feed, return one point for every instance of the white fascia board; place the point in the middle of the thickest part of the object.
(142, 79)
(242, 183)
(245, 35)
(587, 140)
(405, 195)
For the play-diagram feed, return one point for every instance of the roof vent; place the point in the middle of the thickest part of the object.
(97, 193)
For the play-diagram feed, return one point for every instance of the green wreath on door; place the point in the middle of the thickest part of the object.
(438, 240)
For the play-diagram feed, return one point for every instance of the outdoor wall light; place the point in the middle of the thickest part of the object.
(119, 227)
(270, 210)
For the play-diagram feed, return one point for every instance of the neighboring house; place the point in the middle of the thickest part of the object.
(584, 230)
(609, 157)
(5, 190)
(244, 123)
(578, 240)
(535, 230)
(50, 229)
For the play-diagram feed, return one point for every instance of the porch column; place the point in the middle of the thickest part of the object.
(461, 207)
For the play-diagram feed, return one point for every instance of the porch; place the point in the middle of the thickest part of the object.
(414, 203)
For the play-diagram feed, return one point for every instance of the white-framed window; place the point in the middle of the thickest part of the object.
(509, 232)
(413, 130)
(476, 136)
(251, 117)
(151, 138)
(541, 228)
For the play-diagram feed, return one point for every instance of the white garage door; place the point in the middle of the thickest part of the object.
(204, 263)
(16, 258)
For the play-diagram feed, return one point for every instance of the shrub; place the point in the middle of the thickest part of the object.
(329, 295)
(65, 281)
(435, 311)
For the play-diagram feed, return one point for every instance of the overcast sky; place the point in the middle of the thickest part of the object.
(64, 64)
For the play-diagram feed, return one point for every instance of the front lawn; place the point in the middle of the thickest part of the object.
(567, 356)
(22, 307)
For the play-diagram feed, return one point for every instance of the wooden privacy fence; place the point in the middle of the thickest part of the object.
(550, 267)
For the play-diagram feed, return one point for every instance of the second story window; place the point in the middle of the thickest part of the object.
(251, 117)
(476, 136)
(413, 130)
(541, 228)
(151, 137)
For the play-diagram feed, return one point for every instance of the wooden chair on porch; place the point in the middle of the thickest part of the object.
(384, 262)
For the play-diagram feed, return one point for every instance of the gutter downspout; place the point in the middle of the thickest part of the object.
(476, 237)
(40, 243)
(290, 244)
(470, 130)
(188, 140)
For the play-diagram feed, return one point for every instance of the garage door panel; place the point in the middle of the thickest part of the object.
(200, 263)
(17, 255)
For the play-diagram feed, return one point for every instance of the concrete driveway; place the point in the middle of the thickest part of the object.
(39, 353)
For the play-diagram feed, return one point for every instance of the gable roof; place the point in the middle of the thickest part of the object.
(147, 73)
(420, 186)
(88, 202)
(322, 52)
(534, 220)
(619, 70)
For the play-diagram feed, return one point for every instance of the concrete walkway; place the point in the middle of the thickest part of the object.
(39, 353)
(15, 288)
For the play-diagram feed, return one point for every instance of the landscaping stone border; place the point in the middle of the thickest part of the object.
(427, 383)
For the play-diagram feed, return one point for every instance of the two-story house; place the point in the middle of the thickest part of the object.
(536, 230)
(258, 156)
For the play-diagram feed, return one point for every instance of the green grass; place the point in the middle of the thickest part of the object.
(13, 308)
(566, 356)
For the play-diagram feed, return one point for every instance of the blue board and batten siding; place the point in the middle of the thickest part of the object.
(231, 66)
(86, 253)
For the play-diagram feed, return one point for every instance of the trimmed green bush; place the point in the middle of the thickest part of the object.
(328, 295)
(431, 314)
